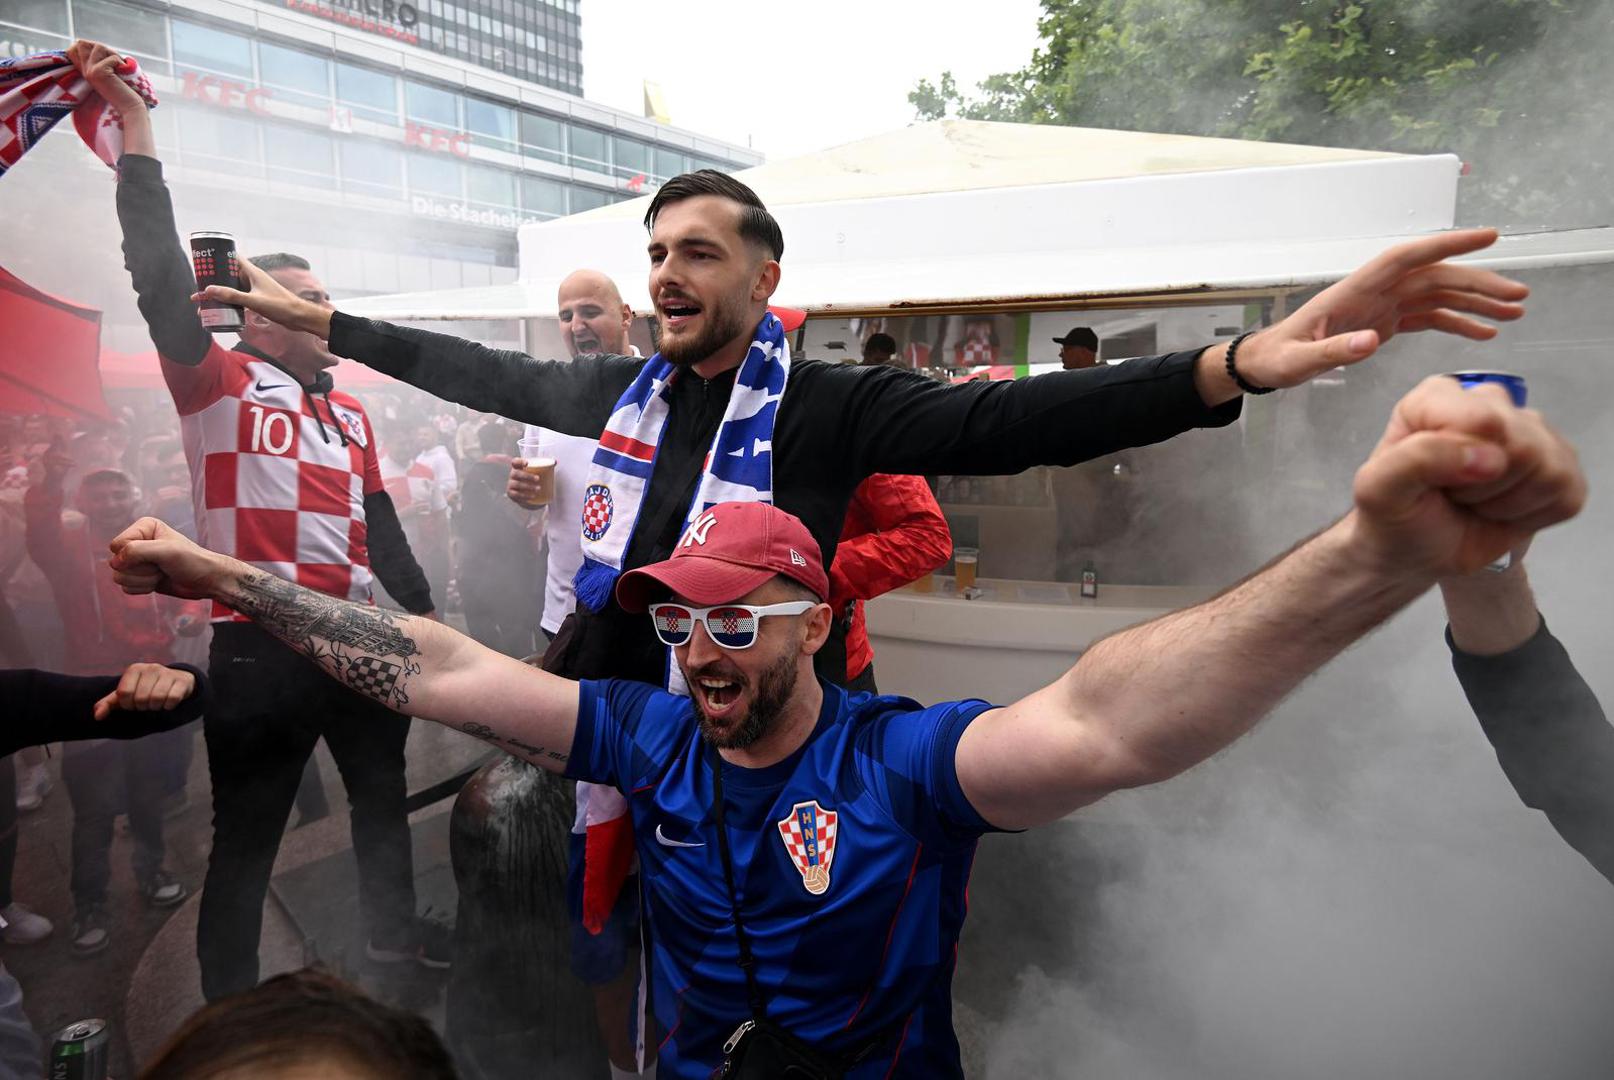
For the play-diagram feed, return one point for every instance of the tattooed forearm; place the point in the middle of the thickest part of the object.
(363, 646)
(293, 612)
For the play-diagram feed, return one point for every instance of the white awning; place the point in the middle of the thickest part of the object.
(959, 215)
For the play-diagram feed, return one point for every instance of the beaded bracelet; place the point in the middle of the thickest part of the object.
(1233, 372)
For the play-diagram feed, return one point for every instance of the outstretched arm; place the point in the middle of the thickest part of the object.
(411, 664)
(1551, 735)
(1457, 480)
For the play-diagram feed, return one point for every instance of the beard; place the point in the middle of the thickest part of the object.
(725, 321)
(775, 687)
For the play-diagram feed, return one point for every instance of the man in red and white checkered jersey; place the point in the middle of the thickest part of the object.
(284, 476)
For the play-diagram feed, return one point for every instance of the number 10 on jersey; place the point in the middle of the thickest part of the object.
(271, 431)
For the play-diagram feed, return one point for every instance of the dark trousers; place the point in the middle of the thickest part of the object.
(270, 707)
(106, 778)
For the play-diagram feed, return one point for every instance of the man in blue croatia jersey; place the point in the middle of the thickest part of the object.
(850, 821)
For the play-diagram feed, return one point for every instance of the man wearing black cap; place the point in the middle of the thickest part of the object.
(804, 850)
(1078, 349)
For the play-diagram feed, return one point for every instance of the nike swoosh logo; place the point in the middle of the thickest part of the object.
(277, 386)
(664, 842)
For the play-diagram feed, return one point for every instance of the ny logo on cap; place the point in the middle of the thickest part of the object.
(697, 532)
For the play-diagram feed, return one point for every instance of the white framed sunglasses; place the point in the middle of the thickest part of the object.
(732, 626)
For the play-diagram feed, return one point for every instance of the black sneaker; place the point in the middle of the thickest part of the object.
(161, 890)
(428, 942)
(90, 931)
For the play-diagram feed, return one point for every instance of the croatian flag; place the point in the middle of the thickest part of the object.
(37, 91)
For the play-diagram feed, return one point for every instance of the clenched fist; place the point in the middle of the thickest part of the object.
(149, 556)
(1460, 477)
(147, 688)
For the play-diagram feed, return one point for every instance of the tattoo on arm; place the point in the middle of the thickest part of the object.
(534, 754)
(363, 646)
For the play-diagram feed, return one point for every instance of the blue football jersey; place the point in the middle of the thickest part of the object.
(851, 859)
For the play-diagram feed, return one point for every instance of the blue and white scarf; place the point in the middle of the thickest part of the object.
(738, 468)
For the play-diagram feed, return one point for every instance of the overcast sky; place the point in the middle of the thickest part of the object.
(792, 78)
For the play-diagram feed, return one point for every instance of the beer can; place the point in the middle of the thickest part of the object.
(1513, 384)
(213, 259)
(80, 1051)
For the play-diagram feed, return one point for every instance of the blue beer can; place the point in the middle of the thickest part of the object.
(1513, 384)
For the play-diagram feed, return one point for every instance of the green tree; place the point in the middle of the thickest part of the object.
(1519, 89)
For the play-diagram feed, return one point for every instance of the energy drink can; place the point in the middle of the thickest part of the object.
(1513, 384)
(80, 1051)
(214, 261)
(1519, 392)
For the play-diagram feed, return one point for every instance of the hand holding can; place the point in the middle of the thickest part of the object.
(214, 261)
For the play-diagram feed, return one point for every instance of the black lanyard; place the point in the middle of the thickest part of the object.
(748, 962)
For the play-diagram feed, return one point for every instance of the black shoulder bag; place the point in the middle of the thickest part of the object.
(760, 1049)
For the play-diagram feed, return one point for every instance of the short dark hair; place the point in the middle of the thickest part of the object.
(883, 342)
(306, 1016)
(280, 260)
(102, 477)
(756, 224)
(493, 437)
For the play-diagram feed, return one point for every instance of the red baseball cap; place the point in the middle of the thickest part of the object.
(728, 551)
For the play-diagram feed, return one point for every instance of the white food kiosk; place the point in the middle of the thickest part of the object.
(974, 244)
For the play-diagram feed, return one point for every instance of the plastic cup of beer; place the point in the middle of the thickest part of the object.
(964, 560)
(541, 467)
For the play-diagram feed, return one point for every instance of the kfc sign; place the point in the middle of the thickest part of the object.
(214, 90)
(422, 137)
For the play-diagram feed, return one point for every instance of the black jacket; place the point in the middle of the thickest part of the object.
(44, 707)
(837, 425)
(1550, 735)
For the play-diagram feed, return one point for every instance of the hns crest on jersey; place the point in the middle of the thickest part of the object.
(809, 836)
(351, 422)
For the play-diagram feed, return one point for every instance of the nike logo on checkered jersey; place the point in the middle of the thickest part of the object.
(664, 842)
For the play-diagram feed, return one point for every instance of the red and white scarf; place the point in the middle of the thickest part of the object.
(37, 91)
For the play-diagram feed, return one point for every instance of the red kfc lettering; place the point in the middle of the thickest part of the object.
(461, 145)
(213, 90)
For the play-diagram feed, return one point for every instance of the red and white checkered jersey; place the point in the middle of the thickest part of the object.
(269, 488)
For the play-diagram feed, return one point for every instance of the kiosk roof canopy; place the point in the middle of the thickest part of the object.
(958, 214)
(969, 155)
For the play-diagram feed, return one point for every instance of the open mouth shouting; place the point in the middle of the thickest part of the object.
(718, 695)
(585, 341)
(678, 312)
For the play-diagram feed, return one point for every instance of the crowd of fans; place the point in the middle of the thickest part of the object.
(67, 485)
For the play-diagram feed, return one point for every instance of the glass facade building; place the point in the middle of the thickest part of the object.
(427, 155)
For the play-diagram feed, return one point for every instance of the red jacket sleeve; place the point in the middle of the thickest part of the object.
(907, 538)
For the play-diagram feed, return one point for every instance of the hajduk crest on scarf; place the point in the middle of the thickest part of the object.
(37, 91)
(739, 466)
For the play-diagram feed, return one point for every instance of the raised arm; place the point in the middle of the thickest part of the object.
(157, 264)
(1458, 479)
(1550, 734)
(408, 663)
